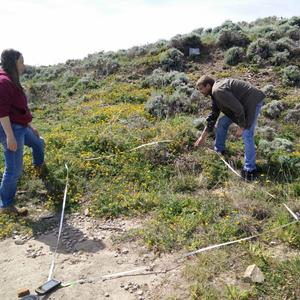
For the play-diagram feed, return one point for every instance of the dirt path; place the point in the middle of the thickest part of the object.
(88, 251)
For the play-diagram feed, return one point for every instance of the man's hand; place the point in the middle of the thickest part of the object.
(11, 143)
(201, 139)
(239, 132)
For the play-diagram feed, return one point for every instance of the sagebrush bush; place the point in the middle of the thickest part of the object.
(157, 106)
(169, 105)
(268, 133)
(273, 109)
(200, 123)
(69, 78)
(228, 38)
(82, 84)
(273, 35)
(29, 73)
(261, 31)
(184, 42)
(294, 33)
(234, 55)
(42, 92)
(294, 21)
(227, 25)
(291, 75)
(158, 47)
(260, 49)
(160, 78)
(278, 144)
(280, 58)
(270, 91)
(47, 73)
(136, 51)
(293, 115)
(106, 66)
(171, 60)
(283, 44)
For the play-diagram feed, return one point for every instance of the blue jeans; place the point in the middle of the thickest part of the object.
(14, 160)
(248, 139)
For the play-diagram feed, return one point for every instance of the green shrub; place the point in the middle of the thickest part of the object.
(234, 55)
(184, 42)
(42, 92)
(84, 83)
(294, 33)
(106, 66)
(215, 172)
(294, 21)
(228, 38)
(266, 132)
(273, 109)
(169, 105)
(280, 58)
(157, 106)
(185, 184)
(273, 35)
(284, 44)
(277, 145)
(159, 78)
(172, 59)
(293, 115)
(270, 91)
(227, 25)
(291, 75)
(283, 166)
(262, 31)
(259, 50)
(208, 38)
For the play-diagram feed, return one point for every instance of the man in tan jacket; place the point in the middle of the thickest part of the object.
(241, 104)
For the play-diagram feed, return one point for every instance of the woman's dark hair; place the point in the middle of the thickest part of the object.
(9, 59)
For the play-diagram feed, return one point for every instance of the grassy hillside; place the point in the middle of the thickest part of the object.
(94, 112)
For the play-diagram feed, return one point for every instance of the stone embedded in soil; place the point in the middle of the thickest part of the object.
(253, 274)
(125, 251)
(19, 242)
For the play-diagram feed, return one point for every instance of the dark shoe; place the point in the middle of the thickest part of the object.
(223, 153)
(249, 175)
(42, 170)
(13, 211)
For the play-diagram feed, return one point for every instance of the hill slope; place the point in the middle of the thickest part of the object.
(96, 112)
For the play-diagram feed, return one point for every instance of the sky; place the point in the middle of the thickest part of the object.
(53, 31)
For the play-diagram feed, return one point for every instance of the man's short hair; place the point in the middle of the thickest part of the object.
(205, 80)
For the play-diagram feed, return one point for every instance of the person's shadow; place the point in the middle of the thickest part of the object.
(71, 240)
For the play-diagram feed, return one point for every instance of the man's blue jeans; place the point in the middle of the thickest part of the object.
(14, 160)
(248, 139)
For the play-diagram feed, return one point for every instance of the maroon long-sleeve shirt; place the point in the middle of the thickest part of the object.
(13, 101)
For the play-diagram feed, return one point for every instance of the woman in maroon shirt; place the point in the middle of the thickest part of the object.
(15, 129)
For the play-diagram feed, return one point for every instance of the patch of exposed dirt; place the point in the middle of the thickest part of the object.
(88, 250)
